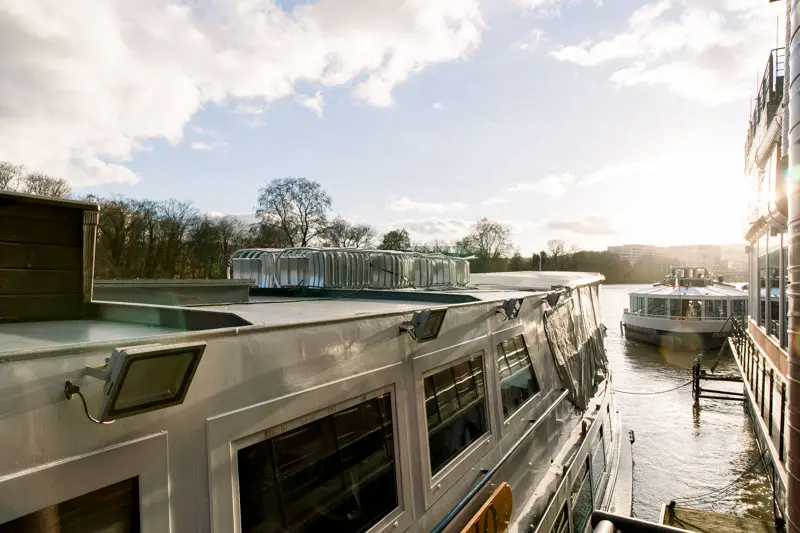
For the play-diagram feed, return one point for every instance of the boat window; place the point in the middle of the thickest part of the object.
(599, 467)
(517, 379)
(581, 499)
(112, 509)
(714, 309)
(740, 307)
(561, 525)
(336, 473)
(637, 304)
(456, 407)
(657, 306)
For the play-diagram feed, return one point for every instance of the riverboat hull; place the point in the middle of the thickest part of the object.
(676, 341)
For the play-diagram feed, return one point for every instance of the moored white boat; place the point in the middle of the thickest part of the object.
(350, 391)
(688, 311)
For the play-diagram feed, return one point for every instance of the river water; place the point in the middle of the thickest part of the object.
(681, 452)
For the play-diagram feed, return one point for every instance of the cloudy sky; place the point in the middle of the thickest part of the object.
(598, 122)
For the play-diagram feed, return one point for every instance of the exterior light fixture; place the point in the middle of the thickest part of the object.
(425, 325)
(142, 378)
(511, 307)
(552, 298)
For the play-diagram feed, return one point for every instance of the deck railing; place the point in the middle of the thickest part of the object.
(767, 385)
(768, 97)
(721, 320)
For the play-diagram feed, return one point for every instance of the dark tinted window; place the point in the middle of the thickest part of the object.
(334, 474)
(112, 509)
(517, 380)
(456, 407)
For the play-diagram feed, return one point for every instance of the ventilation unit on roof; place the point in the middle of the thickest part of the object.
(347, 268)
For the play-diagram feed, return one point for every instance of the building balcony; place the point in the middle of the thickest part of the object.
(766, 103)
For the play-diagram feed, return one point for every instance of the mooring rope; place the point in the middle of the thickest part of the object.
(657, 392)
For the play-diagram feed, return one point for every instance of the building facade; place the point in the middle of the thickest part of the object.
(762, 345)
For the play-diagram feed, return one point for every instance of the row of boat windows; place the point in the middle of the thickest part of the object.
(687, 307)
(338, 472)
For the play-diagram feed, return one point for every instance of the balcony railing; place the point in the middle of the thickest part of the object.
(765, 383)
(768, 98)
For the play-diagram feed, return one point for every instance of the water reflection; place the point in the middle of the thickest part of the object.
(682, 451)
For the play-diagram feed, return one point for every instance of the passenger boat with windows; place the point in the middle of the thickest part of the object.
(315, 390)
(689, 310)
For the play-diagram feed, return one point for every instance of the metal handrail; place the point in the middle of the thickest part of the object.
(487, 474)
(676, 317)
(752, 361)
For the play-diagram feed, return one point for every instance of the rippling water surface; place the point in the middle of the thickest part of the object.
(681, 452)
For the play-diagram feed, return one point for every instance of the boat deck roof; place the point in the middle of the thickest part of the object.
(120, 324)
(710, 291)
(145, 323)
(44, 336)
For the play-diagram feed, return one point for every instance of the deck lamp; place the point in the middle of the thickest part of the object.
(425, 325)
(140, 379)
(510, 307)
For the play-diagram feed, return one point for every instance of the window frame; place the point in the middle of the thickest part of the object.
(229, 432)
(434, 486)
(145, 458)
(523, 413)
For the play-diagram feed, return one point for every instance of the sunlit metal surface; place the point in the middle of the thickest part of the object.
(347, 268)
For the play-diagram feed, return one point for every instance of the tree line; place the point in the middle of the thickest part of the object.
(140, 238)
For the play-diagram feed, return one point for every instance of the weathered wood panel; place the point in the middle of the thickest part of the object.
(58, 232)
(17, 308)
(17, 281)
(40, 256)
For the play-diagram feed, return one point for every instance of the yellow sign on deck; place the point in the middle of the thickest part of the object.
(494, 515)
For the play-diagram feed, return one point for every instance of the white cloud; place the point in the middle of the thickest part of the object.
(246, 218)
(207, 146)
(405, 204)
(249, 109)
(707, 50)
(435, 227)
(531, 42)
(314, 103)
(437, 106)
(554, 185)
(495, 200)
(548, 8)
(589, 226)
(86, 84)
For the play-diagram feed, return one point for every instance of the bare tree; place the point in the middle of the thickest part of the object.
(487, 240)
(10, 176)
(342, 233)
(298, 206)
(556, 248)
(396, 239)
(44, 185)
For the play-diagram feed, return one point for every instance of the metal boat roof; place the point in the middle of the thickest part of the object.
(708, 291)
(119, 324)
(282, 311)
(535, 280)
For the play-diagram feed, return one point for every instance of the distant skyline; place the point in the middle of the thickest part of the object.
(599, 123)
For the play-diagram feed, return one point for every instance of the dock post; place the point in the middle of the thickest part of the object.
(771, 394)
(763, 382)
(783, 423)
